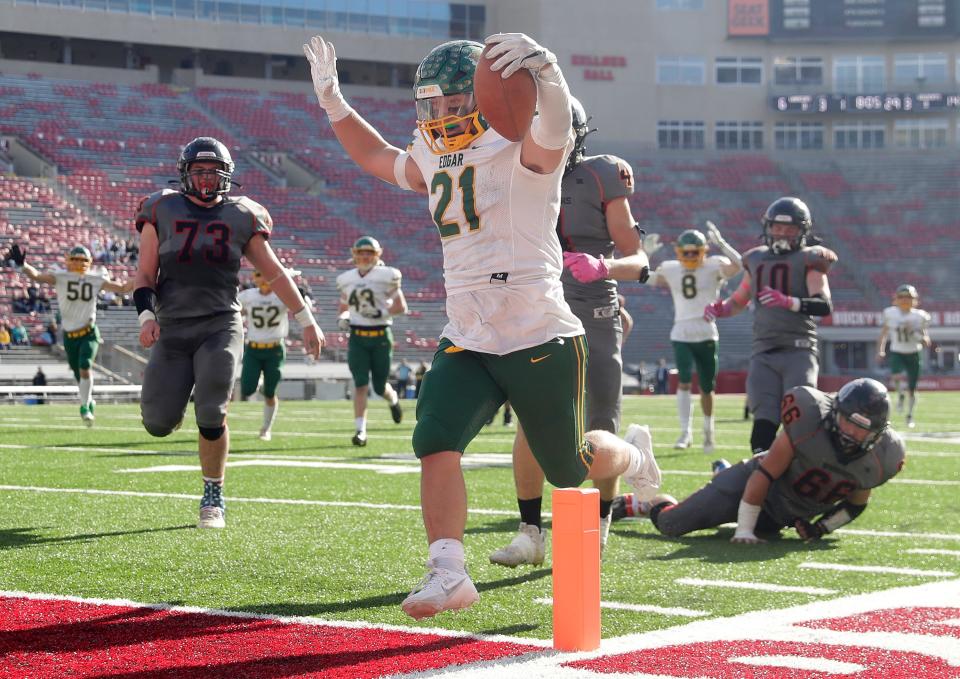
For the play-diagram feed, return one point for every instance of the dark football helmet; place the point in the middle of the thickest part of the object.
(581, 128)
(865, 404)
(205, 149)
(791, 211)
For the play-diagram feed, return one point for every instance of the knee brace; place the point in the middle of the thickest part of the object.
(762, 436)
(212, 433)
(160, 429)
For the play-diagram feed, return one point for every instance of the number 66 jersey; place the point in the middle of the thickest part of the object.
(819, 477)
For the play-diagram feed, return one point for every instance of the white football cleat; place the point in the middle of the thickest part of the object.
(646, 482)
(211, 517)
(265, 435)
(527, 547)
(708, 444)
(684, 442)
(604, 531)
(440, 590)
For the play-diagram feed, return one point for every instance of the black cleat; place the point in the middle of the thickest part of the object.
(360, 438)
(396, 412)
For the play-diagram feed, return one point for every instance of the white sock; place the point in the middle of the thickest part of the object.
(396, 398)
(448, 553)
(636, 462)
(269, 414)
(361, 423)
(211, 479)
(900, 388)
(684, 410)
(86, 389)
(913, 402)
(708, 424)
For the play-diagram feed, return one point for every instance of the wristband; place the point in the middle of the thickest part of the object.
(146, 315)
(747, 515)
(305, 317)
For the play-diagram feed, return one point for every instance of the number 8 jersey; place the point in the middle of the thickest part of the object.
(693, 289)
(77, 297)
(369, 295)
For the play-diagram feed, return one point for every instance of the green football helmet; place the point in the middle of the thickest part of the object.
(366, 253)
(78, 259)
(906, 297)
(447, 114)
(691, 248)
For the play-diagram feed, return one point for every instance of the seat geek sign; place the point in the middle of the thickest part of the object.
(598, 67)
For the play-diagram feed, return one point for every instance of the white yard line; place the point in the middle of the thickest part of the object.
(942, 552)
(639, 608)
(888, 570)
(758, 586)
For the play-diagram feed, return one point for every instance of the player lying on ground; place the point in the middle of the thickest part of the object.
(833, 450)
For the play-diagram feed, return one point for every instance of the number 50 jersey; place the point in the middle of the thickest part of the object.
(77, 297)
(369, 296)
(200, 251)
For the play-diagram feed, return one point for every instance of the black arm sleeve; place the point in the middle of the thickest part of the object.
(145, 299)
(818, 305)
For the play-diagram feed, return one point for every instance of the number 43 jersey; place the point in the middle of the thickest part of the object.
(817, 479)
(692, 290)
(266, 316)
(369, 295)
(77, 297)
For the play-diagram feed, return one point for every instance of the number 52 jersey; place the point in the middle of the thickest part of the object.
(369, 296)
(266, 316)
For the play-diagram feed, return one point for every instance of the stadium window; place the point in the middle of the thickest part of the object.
(377, 21)
(358, 16)
(680, 71)
(732, 135)
(227, 12)
(207, 10)
(798, 135)
(679, 5)
(249, 13)
(314, 18)
(798, 71)
(476, 22)
(118, 5)
(850, 355)
(185, 9)
(419, 18)
(680, 134)
(739, 70)
(858, 74)
(919, 69)
(338, 18)
(141, 6)
(858, 135)
(920, 134)
(163, 8)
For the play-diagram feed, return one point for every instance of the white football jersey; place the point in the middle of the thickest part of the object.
(266, 316)
(501, 256)
(77, 296)
(369, 295)
(905, 329)
(692, 290)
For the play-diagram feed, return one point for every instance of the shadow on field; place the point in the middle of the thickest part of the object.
(717, 548)
(16, 538)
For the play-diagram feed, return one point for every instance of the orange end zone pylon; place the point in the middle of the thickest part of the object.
(576, 569)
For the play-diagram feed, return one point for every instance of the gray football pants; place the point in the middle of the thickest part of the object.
(772, 373)
(195, 354)
(604, 373)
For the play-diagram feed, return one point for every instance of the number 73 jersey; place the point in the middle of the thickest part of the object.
(369, 295)
(77, 297)
(266, 316)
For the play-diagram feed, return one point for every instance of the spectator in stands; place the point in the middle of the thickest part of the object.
(118, 250)
(186, 298)
(662, 376)
(402, 374)
(133, 251)
(45, 338)
(506, 317)
(595, 224)
(421, 371)
(14, 256)
(642, 377)
(40, 380)
(786, 279)
(5, 338)
(43, 302)
(20, 336)
(19, 302)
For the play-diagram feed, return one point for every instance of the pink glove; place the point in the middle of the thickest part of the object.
(774, 298)
(585, 268)
(718, 309)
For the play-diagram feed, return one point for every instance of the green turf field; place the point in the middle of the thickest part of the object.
(318, 527)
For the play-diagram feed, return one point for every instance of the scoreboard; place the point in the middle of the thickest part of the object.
(844, 19)
(888, 102)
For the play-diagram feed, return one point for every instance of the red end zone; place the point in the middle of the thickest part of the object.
(57, 638)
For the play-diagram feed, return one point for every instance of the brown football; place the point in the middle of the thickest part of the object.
(508, 105)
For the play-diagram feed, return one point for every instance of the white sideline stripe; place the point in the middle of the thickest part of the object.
(638, 608)
(944, 552)
(759, 586)
(356, 466)
(952, 622)
(799, 663)
(897, 534)
(875, 569)
(290, 619)
(230, 498)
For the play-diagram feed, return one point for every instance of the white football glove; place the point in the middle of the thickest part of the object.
(517, 51)
(343, 324)
(651, 243)
(326, 84)
(713, 233)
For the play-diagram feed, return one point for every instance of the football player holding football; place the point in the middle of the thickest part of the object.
(370, 296)
(510, 334)
(816, 477)
(264, 351)
(786, 279)
(595, 220)
(906, 326)
(191, 243)
(77, 289)
(694, 280)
